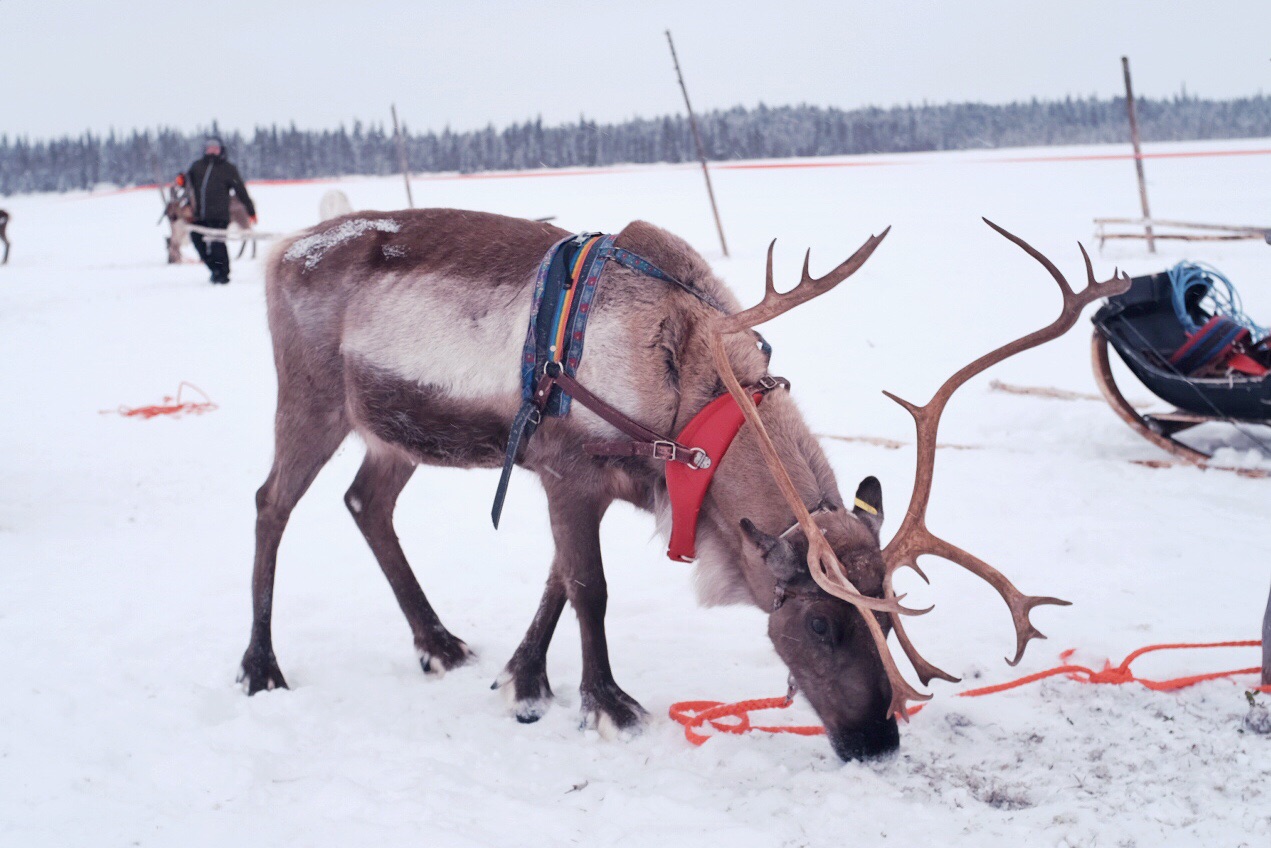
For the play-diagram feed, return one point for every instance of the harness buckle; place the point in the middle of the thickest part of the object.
(670, 451)
(768, 383)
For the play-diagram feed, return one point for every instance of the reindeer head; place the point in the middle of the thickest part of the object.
(831, 572)
(176, 205)
(822, 638)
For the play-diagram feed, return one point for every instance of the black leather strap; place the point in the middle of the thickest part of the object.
(523, 426)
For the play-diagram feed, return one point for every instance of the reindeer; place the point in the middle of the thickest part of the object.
(4, 224)
(179, 213)
(239, 219)
(333, 204)
(406, 327)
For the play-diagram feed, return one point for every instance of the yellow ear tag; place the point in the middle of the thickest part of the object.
(860, 503)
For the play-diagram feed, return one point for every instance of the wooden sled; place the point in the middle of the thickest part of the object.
(1142, 327)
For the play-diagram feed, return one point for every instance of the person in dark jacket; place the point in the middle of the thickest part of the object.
(210, 181)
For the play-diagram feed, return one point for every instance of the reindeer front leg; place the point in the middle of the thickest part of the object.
(577, 566)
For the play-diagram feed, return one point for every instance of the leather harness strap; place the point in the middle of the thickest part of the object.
(692, 459)
(563, 293)
(554, 375)
(660, 449)
(644, 442)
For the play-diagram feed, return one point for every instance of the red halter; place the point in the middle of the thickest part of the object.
(691, 460)
(712, 430)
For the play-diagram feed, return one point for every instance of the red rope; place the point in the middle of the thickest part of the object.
(735, 718)
(173, 406)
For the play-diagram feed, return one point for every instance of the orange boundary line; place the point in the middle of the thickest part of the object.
(751, 165)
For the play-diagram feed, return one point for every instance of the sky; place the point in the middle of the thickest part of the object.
(94, 65)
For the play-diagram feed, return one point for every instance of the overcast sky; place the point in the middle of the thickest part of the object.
(89, 64)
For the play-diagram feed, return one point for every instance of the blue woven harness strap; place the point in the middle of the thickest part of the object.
(638, 263)
(641, 265)
(563, 295)
(562, 302)
(529, 354)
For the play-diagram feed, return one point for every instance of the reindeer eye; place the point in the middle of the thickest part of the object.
(819, 626)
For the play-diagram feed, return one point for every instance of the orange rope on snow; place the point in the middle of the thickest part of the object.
(173, 406)
(693, 714)
(1122, 674)
(735, 718)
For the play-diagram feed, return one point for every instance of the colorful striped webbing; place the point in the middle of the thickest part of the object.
(557, 349)
(563, 295)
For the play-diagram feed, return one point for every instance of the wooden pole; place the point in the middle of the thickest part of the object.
(401, 154)
(1138, 152)
(1266, 644)
(697, 138)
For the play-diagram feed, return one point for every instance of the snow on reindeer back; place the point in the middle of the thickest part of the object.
(312, 248)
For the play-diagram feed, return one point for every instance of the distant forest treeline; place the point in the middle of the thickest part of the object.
(740, 133)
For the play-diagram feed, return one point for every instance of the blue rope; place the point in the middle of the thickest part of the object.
(1218, 298)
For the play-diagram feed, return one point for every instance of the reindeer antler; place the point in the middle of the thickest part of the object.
(913, 539)
(775, 303)
(823, 565)
(822, 562)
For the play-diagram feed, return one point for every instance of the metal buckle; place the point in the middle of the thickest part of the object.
(670, 451)
(767, 383)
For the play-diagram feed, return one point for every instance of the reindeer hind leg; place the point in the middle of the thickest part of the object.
(308, 429)
(371, 500)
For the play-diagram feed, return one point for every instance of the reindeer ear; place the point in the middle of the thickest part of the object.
(868, 506)
(777, 553)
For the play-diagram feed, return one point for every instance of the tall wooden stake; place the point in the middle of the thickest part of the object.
(697, 138)
(1266, 645)
(1138, 152)
(401, 154)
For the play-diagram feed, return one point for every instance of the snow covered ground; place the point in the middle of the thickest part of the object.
(125, 547)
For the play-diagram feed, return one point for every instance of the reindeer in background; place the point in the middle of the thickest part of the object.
(179, 211)
(240, 220)
(333, 204)
(4, 223)
(180, 214)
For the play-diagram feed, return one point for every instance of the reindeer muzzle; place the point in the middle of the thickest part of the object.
(874, 739)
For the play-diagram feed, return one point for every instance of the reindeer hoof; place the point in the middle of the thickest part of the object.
(528, 696)
(613, 713)
(260, 673)
(443, 655)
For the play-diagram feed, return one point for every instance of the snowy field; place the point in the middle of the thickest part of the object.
(126, 546)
